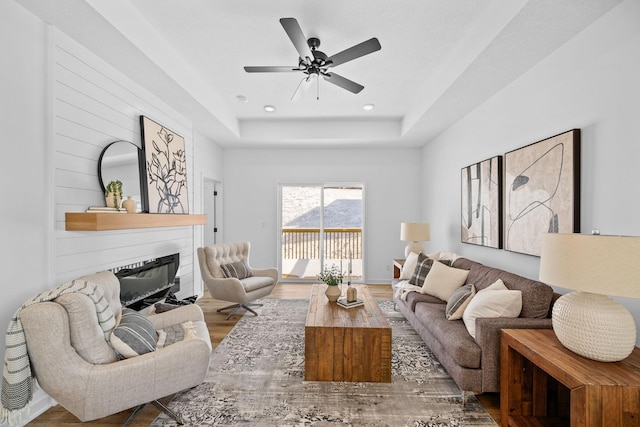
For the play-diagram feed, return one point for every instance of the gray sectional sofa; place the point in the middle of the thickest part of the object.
(474, 364)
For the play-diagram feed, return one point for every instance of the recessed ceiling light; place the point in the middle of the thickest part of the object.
(243, 99)
(368, 107)
(269, 108)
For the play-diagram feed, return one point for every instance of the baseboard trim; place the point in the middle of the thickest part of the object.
(39, 404)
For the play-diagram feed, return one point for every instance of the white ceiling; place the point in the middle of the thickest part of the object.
(439, 60)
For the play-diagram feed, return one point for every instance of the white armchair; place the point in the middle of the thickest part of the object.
(241, 291)
(76, 366)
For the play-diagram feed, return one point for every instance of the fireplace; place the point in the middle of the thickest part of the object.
(147, 282)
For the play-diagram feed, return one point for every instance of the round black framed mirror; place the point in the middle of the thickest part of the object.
(123, 161)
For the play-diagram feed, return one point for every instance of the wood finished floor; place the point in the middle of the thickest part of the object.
(218, 329)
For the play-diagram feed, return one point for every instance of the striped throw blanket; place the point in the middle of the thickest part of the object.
(17, 379)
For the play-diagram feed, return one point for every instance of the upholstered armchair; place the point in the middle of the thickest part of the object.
(229, 277)
(76, 366)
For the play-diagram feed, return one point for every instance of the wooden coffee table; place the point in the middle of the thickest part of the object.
(346, 344)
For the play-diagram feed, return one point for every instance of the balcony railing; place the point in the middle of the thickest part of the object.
(339, 243)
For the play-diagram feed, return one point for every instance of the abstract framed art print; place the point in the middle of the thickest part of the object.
(481, 189)
(166, 168)
(542, 191)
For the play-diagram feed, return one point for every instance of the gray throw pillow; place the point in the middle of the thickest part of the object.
(161, 307)
(459, 300)
(239, 269)
(134, 335)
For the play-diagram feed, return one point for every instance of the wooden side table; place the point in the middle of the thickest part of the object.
(397, 267)
(544, 383)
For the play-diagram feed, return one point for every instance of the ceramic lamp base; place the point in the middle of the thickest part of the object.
(413, 247)
(594, 326)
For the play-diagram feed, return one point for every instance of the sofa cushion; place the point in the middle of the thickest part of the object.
(493, 301)
(409, 266)
(452, 335)
(134, 335)
(414, 298)
(442, 280)
(256, 282)
(85, 333)
(238, 269)
(459, 301)
(536, 296)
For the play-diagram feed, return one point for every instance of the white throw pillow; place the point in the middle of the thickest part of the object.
(492, 301)
(442, 281)
(409, 266)
(447, 256)
(498, 285)
(434, 255)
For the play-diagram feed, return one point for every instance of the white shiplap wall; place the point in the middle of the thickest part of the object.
(93, 105)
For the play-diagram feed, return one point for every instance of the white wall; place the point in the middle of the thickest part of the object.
(26, 222)
(60, 106)
(209, 163)
(392, 195)
(591, 83)
(93, 105)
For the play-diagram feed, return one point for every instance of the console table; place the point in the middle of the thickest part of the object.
(544, 383)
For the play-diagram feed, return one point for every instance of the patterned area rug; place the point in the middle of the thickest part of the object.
(256, 378)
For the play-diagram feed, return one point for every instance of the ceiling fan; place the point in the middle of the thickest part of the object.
(314, 63)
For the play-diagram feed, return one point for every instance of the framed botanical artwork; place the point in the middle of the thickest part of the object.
(542, 191)
(166, 168)
(481, 190)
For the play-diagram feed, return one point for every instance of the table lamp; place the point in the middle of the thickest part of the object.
(415, 232)
(588, 322)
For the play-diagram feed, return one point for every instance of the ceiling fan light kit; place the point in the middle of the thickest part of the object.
(315, 63)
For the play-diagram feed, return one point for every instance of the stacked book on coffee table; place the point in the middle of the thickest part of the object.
(342, 302)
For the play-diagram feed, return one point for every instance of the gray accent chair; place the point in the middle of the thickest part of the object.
(242, 292)
(75, 365)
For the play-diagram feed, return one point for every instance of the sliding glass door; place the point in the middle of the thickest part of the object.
(321, 226)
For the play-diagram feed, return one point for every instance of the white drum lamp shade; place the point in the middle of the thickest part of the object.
(414, 232)
(588, 322)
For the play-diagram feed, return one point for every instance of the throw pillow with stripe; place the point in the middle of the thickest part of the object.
(459, 301)
(239, 269)
(134, 335)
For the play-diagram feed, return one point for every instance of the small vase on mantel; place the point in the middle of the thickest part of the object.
(113, 200)
(333, 293)
(130, 205)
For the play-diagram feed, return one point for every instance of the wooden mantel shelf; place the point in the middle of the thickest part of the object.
(96, 221)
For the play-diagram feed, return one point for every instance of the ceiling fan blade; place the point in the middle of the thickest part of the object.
(303, 87)
(354, 52)
(344, 83)
(297, 37)
(268, 69)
